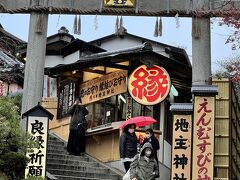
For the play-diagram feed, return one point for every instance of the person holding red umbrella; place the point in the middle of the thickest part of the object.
(128, 145)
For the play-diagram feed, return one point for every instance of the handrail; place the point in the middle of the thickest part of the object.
(50, 176)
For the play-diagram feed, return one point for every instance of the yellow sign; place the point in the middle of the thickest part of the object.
(203, 138)
(149, 86)
(181, 147)
(37, 127)
(104, 87)
(127, 3)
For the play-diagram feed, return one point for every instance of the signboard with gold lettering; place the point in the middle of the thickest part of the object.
(104, 87)
(203, 138)
(149, 86)
(125, 3)
(181, 147)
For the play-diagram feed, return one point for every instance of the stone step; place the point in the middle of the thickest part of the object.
(55, 142)
(67, 157)
(98, 170)
(57, 151)
(50, 137)
(60, 177)
(81, 168)
(65, 165)
(69, 167)
(83, 174)
(56, 147)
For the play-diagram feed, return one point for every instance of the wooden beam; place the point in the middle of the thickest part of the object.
(187, 8)
(95, 71)
(117, 66)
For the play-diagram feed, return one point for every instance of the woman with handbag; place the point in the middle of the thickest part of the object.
(78, 125)
(144, 165)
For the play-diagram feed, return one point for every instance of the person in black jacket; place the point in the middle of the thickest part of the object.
(128, 145)
(150, 138)
(78, 124)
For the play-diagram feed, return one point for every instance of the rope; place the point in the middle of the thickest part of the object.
(126, 12)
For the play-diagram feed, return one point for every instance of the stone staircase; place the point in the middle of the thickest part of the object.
(68, 167)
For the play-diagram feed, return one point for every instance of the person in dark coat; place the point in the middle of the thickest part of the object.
(128, 145)
(144, 165)
(78, 124)
(150, 137)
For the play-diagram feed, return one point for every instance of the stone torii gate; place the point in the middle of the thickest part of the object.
(201, 10)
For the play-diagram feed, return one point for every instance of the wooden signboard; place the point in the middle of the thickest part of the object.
(181, 147)
(104, 87)
(125, 3)
(203, 138)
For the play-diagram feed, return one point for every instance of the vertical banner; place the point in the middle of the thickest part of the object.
(38, 128)
(181, 147)
(203, 138)
(128, 106)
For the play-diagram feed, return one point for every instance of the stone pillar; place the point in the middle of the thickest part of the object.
(201, 51)
(34, 69)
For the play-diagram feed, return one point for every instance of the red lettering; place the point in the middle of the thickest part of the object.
(203, 159)
(151, 83)
(202, 120)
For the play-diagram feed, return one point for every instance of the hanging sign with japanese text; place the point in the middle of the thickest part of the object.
(149, 86)
(38, 128)
(181, 147)
(203, 138)
(126, 3)
(128, 106)
(104, 87)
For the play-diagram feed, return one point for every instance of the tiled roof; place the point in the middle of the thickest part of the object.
(9, 63)
(181, 107)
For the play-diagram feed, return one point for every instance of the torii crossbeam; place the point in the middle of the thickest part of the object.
(188, 8)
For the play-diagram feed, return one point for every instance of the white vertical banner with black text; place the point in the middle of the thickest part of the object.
(38, 128)
(181, 147)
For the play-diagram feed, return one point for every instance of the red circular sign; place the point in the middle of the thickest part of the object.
(149, 86)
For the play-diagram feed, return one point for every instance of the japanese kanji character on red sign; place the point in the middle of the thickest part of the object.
(149, 86)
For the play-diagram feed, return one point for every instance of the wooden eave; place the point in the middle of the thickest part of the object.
(81, 45)
(179, 72)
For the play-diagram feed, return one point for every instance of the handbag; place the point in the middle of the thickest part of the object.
(127, 175)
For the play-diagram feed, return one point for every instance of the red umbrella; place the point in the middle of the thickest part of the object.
(139, 121)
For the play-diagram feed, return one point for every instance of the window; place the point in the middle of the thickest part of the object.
(122, 100)
(152, 111)
(102, 112)
(68, 90)
(156, 115)
(137, 109)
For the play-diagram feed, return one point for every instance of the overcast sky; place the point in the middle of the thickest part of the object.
(141, 26)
